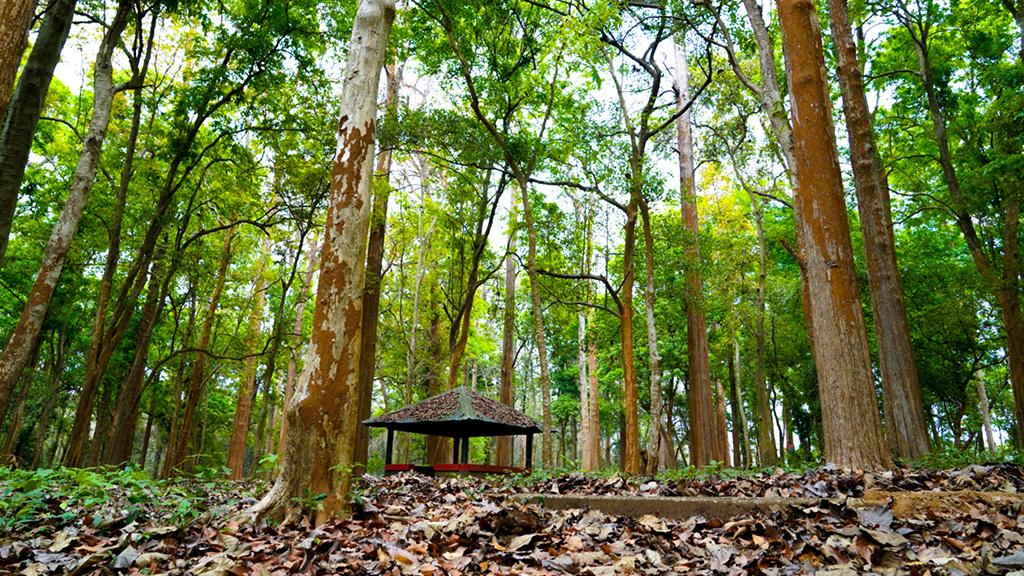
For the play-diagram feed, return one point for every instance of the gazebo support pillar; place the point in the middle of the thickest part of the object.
(455, 450)
(465, 450)
(529, 451)
(388, 452)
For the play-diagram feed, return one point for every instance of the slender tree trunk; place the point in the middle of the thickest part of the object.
(149, 430)
(25, 107)
(374, 273)
(766, 450)
(739, 411)
(630, 441)
(702, 418)
(593, 398)
(654, 440)
(15, 19)
(986, 414)
(852, 429)
(771, 94)
(15, 355)
(177, 452)
(320, 446)
(300, 314)
(18, 412)
(438, 449)
(247, 387)
(59, 354)
(126, 413)
(506, 393)
(901, 392)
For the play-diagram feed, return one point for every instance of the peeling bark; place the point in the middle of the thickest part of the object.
(300, 314)
(851, 426)
(323, 412)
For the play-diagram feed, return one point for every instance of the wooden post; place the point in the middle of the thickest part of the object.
(388, 450)
(455, 450)
(529, 451)
(465, 450)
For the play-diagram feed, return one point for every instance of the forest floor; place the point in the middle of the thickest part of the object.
(120, 522)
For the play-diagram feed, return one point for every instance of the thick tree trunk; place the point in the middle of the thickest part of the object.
(506, 393)
(630, 448)
(703, 429)
(126, 413)
(654, 439)
(438, 448)
(247, 387)
(25, 107)
(901, 392)
(178, 450)
(15, 355)
(15, 19)
(374, 273)
(320, 446)
(296, 337)
(852, 429)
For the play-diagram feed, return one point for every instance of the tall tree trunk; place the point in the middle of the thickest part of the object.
(26, 333)
(149, 430)
(247, 387)
(630, 441)
(986, 414)
(25, 107)
(59, 355)
(593, 398)
(126, 413)
(506, 393)
(703, 428)
(374, 272)
(17, 414)
(654, 440)
(766, 451)
(770, 93)
(852, 429)
(15, 20)
(296, 336)
(738, 411)
(438, 449)
(320, 446)
(901, 392)
(177, 452)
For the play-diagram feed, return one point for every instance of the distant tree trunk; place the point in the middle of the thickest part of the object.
(904, 409)
(538, 323)
(438, 451)
(18, 412)
(593, 397)
(766, 450)
(703, 429)
(247, 387)
(738, 411)
(374, 273)
(149, 430)
(322, 429)
(506, 393)
(24, 109)
(26, 333)
(15, 19)
(177, 452)
(654, 440)
(735, 409)
(58, 360)
(986, 414)
(296, 336)
(852, 429)
(126, 413)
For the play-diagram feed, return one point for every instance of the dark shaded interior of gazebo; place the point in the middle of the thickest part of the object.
(459, 414)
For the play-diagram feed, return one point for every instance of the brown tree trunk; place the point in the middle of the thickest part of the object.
(322, 429)
(703, 429)
(766, 451)
(851, 426)
(247, 387)
(26, 333)
(15, 19)
(438, 448)
(374, 273)
(630, 455)
(177, 452)
(593, 398)
(25, 107)
(58, 359)
(506, 393)
(986, 414)
(901, 392)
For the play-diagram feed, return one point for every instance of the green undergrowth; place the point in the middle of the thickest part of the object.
(111, 496)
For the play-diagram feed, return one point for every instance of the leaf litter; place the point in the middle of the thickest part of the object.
(412, 524)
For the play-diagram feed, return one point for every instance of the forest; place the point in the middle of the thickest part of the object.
(728, 247)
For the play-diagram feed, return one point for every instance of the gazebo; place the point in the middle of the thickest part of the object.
(459, 414)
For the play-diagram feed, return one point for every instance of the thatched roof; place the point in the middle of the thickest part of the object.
(459, 412)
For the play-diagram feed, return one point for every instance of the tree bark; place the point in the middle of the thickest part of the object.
(26, 333)
(654, 439)
(851, 426)
(300, 314)
(374, 272)
(703, 429)
(320, 446)
(177, 452)
(506, 393)
(766, 451)
(25, 107)
(59, 355)
(593, 398)
(901, 392)
(630, 449)
(986, 413)
(247, 387)
(771, 94)
(15, 20)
